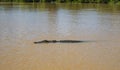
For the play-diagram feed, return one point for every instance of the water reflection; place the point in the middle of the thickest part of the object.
(21, 25)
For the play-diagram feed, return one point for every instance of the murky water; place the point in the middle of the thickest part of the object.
(21, 25)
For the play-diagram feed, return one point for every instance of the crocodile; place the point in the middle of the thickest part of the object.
(60, 41)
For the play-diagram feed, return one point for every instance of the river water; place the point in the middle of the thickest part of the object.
(23, 24)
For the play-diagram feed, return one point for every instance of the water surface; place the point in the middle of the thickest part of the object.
(23, 24)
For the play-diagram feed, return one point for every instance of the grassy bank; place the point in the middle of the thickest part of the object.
(65, 1)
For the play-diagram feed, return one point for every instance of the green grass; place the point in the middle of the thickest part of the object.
(66, 1)
(118, 3)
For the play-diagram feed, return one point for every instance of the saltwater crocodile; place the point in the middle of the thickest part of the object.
(60, 41)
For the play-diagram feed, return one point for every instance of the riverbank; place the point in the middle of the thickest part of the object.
(32, 3)
(63, 1)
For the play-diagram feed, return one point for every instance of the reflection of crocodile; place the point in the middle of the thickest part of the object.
(61, 41)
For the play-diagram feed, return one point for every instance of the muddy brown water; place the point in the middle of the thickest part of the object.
(23, 24)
